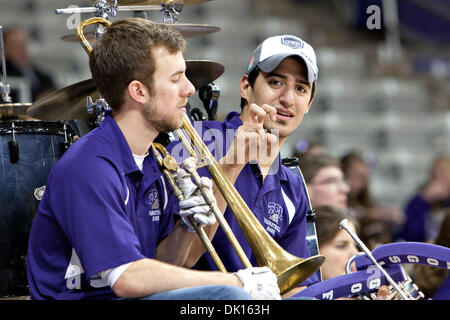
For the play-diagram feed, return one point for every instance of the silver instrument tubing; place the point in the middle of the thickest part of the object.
(119, 8)
(344, 224)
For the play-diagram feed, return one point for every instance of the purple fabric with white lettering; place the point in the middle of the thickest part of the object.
(351, 284)
(408, 252)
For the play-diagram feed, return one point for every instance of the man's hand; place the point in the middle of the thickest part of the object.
(251, 141)
(260, 283)
(194, 204)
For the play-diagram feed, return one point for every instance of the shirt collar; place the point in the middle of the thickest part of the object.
(232, 120)
(113, 133)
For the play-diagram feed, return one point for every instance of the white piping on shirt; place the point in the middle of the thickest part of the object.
(289, 205)
(165, 193)
(128, 196)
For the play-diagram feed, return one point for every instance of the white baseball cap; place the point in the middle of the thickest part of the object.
(268, 55)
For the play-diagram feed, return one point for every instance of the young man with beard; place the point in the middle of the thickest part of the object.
(105, 227)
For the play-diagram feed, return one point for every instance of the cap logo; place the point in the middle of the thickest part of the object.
(292, 42)
(250, 63)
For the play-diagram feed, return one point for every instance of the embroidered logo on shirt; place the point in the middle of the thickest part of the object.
(153, 203)
(275, 212)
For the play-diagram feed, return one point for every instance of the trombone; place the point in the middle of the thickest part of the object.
(289, 269)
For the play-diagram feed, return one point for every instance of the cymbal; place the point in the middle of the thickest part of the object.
(65, 104)
(14, 110)
(69, 103)
(202, 72)
(155, 2)
(190, 30)
(187, 30)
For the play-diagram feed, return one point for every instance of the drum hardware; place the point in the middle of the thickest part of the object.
(203, 72)
(5, 89)
(39, 193)
(101, 107)
(194, 114)
(66, 143)
(159, 2)
(96, 10)
(209, 95)
(39, 144)
(69, 103)
(102, 7)
(105, 10)
(13, 146)
(170, 11)
(100, 104)
(187, 30)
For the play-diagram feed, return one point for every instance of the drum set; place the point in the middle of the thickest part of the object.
(33, 136)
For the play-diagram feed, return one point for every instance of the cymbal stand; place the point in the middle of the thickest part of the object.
(95, 9)
(105, 10)
(100, 106)
(209, 95)
(4, 87)
(171, 10)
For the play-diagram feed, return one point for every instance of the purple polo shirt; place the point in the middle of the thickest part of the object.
(99, 211)
(280, 203)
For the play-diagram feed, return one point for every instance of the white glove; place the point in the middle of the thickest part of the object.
(194, 204)
(260, 283)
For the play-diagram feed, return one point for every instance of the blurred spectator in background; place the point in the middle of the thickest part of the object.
(356, 172)
(305, 146)
(18, 64)
(435, 282)
(378, 224)
(425, 211)
(324, 180)
(335, 244)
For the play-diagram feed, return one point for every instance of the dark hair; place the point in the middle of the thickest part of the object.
(124, 54)
(254, 74)
(251, 80)
(327, 222)
(311, 164)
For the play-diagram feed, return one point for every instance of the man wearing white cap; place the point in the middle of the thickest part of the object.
(276, 90)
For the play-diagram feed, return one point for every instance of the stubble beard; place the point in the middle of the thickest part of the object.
(161, 122)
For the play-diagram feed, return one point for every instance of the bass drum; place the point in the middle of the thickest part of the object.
(28, 151)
